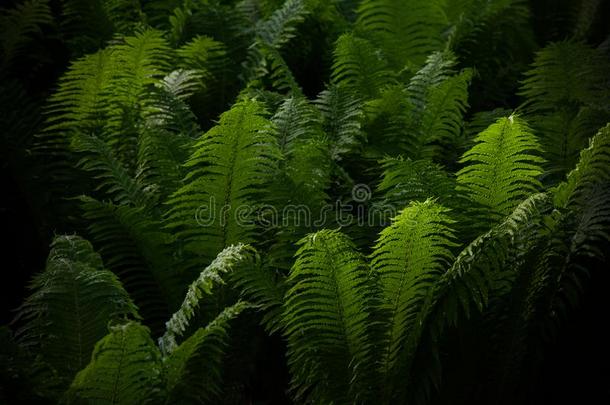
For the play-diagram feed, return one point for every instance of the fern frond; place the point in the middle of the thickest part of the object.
(326, 320)
(428, 113)
(79, 101)
(271, 34)
(113, 177)
(168, 132)
(438, 67)
(280, 27)
(342, 117)
(406, 31)
(563, 134)
(265, 288)
(565, 74)
(229, 167)
(486, 270)
(193, 369)
(359, 67)
(142, 60)
(72, 301)
(18, 25)
(442, 119)
(590, 172)
(480, 121)
(502, 169)
(125, 368)
(296, 121)
(409, 258)
(226, 260)
(406, 180)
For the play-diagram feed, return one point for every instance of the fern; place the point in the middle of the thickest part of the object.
(326, 318)
(19, 25)
(441, 121)
(193, 369)
(280, 27)
(125, 369)
(564, 74)
(228, 166)
(114, 178)
(265, 288)
(272, 33)
(438, 100)
(358, 67)
(405, 180)
(407, 32)
(502, 169)
(408, 259)
(295, 122)
(212, 274)
(79, 102)
(72, 301)
(342, 117)
(590, 173)
(142, 60)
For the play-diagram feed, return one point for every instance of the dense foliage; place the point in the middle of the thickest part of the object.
(364, 190)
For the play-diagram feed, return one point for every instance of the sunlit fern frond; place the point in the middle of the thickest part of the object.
(193, 371)
(409, 258)
(213, 274)
(502, 169)
(327, 319)
(229, 168)
(125, 368)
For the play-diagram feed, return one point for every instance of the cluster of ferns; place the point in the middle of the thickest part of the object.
(180, 128)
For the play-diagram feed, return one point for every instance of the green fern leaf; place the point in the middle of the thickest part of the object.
(18, 25)
(326, 320)
(193, 369)
(342, 117)
(125, 369)
(229, 167)
(226, 260)
(564, 74)
(405, 180)
(359, 67)
(406, 31)
(502, 169)
(409, 258)
(72, 301)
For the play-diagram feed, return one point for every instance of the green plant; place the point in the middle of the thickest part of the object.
(384, 188)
